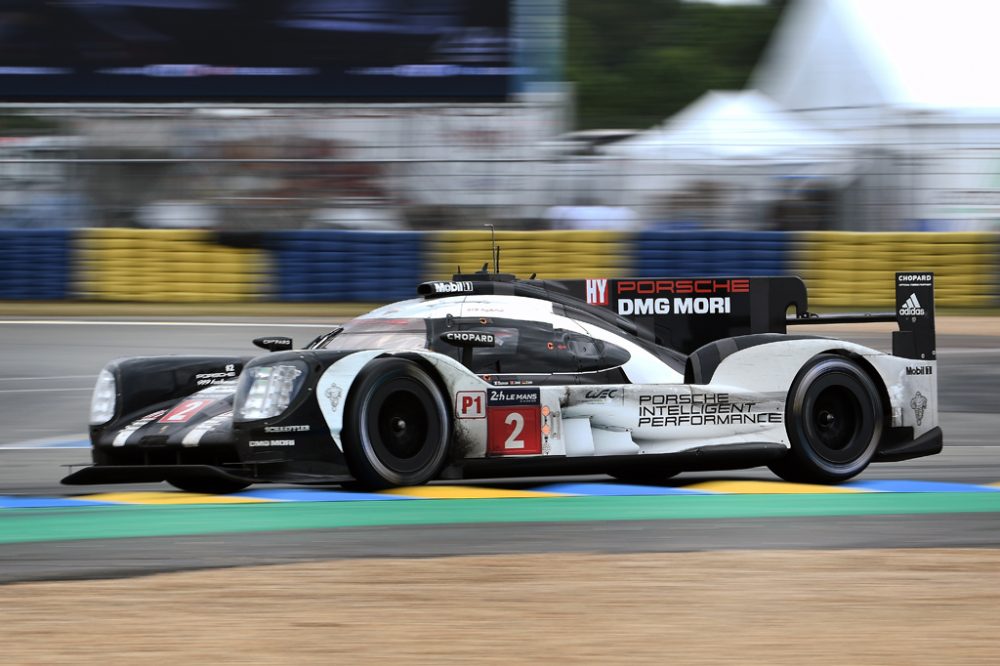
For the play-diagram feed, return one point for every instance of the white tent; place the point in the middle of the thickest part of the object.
(913, 54)
(909, 81)
(724, 152)
(725, 126)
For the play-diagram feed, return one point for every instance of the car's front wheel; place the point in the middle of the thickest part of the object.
(396, 425)
(834, 419)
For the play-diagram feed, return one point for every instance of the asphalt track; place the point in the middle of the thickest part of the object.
(48, 367)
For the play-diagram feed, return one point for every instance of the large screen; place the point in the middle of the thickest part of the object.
(266, 50)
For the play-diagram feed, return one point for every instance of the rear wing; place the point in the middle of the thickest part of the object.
(914, 314)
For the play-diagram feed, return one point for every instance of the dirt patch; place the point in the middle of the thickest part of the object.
(740, 607)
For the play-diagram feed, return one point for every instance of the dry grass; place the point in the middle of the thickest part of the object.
(738, 607)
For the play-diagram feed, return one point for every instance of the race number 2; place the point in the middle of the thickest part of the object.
(513, 418)
(184, 411)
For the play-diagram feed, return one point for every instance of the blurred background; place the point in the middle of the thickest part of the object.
(219, 150)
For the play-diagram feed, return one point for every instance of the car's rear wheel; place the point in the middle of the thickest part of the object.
(834, 419)
(396, 425)
(209, 486)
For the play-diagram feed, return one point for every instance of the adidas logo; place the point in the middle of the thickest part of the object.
(911, 307)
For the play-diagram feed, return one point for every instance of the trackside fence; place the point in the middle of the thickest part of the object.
(842, 269)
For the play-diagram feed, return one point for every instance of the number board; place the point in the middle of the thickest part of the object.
(513, 420)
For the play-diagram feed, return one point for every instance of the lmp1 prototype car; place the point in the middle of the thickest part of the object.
(487, 375)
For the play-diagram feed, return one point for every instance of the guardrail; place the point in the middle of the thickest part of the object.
(842, 269)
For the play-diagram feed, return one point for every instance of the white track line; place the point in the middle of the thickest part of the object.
(32, 379)
(45, 390)
(70, 441)
(82, 444)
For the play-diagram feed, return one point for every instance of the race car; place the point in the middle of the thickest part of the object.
(486, 375)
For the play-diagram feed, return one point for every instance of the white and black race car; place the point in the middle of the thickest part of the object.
(488, 375)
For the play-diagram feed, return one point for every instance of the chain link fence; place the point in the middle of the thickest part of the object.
(438, 166)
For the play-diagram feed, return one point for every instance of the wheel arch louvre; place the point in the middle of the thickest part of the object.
(775, 365)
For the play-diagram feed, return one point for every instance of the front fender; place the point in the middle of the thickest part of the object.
(335, 384)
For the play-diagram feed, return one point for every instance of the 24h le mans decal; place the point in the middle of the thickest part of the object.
(513, 421)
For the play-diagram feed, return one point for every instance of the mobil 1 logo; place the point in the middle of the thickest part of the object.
(513, 421)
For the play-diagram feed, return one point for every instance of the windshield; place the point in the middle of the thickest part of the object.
(380, 334)
(379, 341)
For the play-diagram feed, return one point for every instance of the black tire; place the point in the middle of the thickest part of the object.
(209, 486)
(650, 475)
(834, 419)
(396, 426)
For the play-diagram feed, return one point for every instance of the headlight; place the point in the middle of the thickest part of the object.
(102, 403)
(265, 391)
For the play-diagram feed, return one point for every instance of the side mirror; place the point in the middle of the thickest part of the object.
(274, 343)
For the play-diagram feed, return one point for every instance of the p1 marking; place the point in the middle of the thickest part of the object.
(470, 404)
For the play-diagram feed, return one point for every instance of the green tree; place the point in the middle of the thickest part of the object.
(635, 63)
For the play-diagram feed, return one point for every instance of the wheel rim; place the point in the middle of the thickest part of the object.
(836, 424)
(403, 426)
(836, 419)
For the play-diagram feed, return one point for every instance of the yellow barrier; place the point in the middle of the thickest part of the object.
(857, 269)
(550, 254)
(841, 269)
(166, 266)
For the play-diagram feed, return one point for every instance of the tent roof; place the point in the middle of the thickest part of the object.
(726, 126)
(920, 54)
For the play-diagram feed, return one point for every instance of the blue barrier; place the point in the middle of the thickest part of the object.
(340, 265)
(35, 264)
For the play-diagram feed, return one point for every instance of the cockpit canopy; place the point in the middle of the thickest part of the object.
(515, 346)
